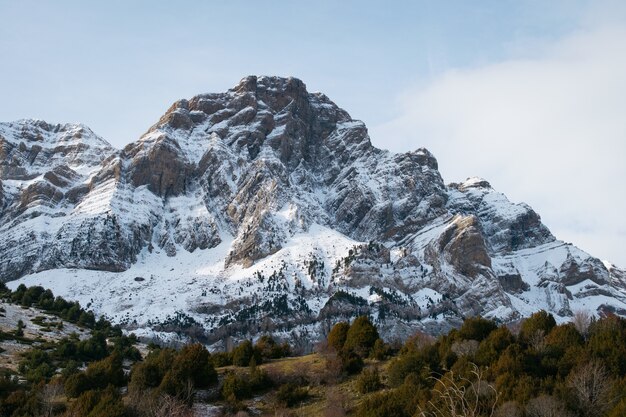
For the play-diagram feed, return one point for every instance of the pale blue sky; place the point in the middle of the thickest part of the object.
(529, 94)
(117, 65)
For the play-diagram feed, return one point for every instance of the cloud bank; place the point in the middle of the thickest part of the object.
(548, 130)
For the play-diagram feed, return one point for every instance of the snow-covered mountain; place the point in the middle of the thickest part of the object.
(267, 208)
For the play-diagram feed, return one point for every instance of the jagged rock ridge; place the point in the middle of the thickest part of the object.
(267, 207)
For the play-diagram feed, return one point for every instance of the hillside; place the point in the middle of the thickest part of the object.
(537, 368)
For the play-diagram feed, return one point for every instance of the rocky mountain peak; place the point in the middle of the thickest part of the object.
(51, 135)
(290, 87)
(268, 204)
(29, 148)
(472, 182)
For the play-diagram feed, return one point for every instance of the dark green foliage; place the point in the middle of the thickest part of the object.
(220, 359)
(94, 348)
(476, 328)
(106, 403)
(351, 362)
(563, 337)
(192, 365)
(267, 348)
(124, 345)
(243, 354)
(76, 384)
(607, 341)
(361, 336)
(107, 371)
(343, 296)
(380, 350)
(36, 365)
(382, 405)
(19, 330)
(239, 386)
(492, 347)
(400, 402)
(4, 290)
(540, 323)
(45, 359)
(563, 350)
(236, 387)
(20, 403)
(44, 299)
(194, 362)
(98, 375)
(87, 319)
(542, 363)
(174, 373)
(150, 372)
(413, 363)
(290, 394)
(368, 381)
(416, 362)
(337, 335)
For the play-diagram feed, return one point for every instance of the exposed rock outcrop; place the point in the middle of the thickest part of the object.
(267, 207)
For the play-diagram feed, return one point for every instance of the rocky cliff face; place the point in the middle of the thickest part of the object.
(267, 207)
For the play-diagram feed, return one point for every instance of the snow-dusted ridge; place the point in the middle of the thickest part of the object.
(267, 208)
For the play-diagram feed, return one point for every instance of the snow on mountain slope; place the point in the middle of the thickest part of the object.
(267, 208)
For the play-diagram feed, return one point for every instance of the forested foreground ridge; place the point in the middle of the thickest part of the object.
(536, 368)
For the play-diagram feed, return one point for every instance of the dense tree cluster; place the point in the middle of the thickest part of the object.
(89, 371)
(483, 370)
(167, 373)
(265, 349)
(354, 342)
(45, 300)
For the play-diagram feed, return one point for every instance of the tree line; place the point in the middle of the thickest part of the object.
(537, 368)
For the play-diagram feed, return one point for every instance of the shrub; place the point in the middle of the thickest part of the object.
(290, 394)
(220, 359)
(607, 341)
(19, 330)
(413, 362)
(150, 372)
(337, 336)
(476, 328)
(383, 404)
(267, 348)
(76, 384)
(194, 362)
(107, 403)
(351, 363)
(36, 365)
(106, 372)
(361, 336)
(540, 323)
(94, 348)
(368, 381)
(243, 354)
(493, 345)
(238, 386)
(380, 350)
(235, 387)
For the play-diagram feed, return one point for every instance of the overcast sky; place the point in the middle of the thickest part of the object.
(530, 95)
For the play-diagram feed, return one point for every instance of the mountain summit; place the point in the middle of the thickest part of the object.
(267, 208)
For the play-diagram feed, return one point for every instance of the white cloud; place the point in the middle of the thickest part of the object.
(549, 130)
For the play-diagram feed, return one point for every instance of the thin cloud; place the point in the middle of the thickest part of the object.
(550, 131)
